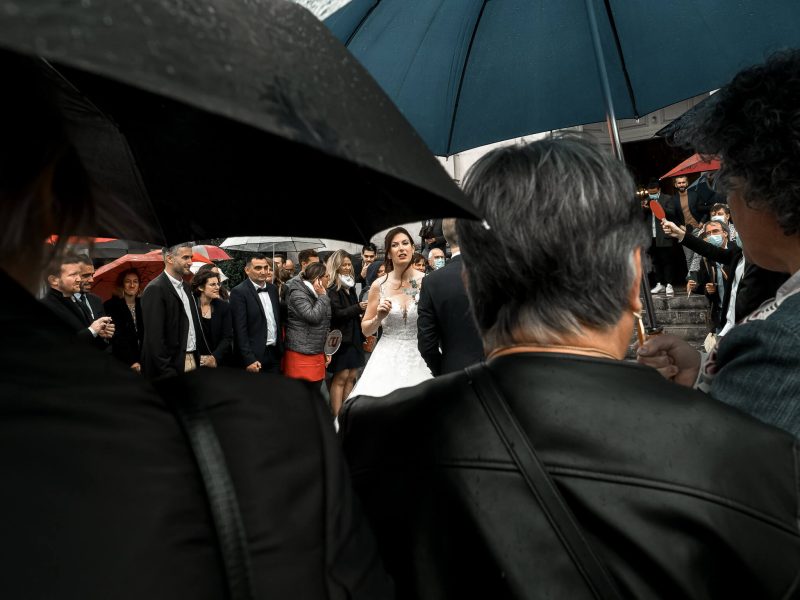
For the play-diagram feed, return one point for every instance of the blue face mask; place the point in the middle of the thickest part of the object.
(715, 239)
(719, 219)
(653, 196)
(438, 263)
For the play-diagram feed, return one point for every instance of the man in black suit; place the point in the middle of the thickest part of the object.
(662, 247)
(171, 321)
(432, 235)
(255, 310)
(446, 334)
(90, 302)
(63, 279)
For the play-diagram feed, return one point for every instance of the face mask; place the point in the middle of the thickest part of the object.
(347, 280)
(720, 218)
(438, 263)
(715, 239)
(653, 196)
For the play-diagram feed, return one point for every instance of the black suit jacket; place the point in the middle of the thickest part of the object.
(126, 345)
(96, 305)
(665, 482)
(74, 316)
(220, 341)
(661, 240)
(445, 322)
(250, 322)
(166, 328)
(103, 498)
(437, 234)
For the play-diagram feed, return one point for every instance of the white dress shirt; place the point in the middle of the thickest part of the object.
(266, 303)
(191, 341)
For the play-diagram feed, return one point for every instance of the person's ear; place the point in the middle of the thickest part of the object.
(634, 297)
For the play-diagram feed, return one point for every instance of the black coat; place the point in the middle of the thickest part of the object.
(661, 240)
(679, 495)
(166, 328)
(103, 498)
(436, 233)
(74, 316)
(219, 342)
(250, 322)
(95, 305)
(346, 314)
(447, 337)
(126, 345)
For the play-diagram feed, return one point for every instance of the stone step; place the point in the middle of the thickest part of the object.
(691, 316)
(679, 301)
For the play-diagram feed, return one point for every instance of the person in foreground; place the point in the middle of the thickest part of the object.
(753, 125)
(675, 494)
(102, 495)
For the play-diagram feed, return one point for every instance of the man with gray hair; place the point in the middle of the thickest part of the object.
(171, 320)
(629, 489)
(446, 335)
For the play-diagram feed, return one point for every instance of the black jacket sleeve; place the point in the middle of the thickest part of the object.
(428, 332)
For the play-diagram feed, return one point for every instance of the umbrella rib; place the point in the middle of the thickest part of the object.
(461, 79)
(618, 44)
(361, 23)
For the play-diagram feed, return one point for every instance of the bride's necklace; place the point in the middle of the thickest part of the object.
(582, 350)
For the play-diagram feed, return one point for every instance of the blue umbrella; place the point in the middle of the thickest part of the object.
(470, 72)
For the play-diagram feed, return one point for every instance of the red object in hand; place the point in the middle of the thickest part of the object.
(657, 209)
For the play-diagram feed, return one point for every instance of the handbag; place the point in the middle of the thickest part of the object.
(541, 485)
(369, 343)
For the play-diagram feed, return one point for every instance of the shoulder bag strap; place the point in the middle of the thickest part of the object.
(221, 496)
(541, 485)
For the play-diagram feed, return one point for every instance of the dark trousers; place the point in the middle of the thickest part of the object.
(662, 258)
(271, 361)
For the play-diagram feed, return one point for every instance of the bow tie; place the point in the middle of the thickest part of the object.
(263, 290)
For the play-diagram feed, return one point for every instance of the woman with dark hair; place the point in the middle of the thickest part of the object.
(125, 311)
(224, 294)
(392, 306)
(346, 313)
(308, 322)
(215, 338)
(418, 263)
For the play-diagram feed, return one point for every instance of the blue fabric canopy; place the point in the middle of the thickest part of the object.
(470, 72)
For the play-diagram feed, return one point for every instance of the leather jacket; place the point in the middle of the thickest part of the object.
(679, 495)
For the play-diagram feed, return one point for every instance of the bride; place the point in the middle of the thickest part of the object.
(392, 304)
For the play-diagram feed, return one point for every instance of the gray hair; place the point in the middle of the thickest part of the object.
(173, 250)
(563, 215)
(449, 232)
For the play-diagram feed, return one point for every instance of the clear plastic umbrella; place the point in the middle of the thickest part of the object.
(271, 244)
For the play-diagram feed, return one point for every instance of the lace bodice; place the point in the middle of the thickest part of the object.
(399, 323)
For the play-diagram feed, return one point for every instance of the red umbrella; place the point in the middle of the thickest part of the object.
(106, 247)
(149, 266)
(693, 164)
(210, 252)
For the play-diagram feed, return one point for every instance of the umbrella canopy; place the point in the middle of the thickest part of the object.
(471, 72)
(229, 110)
(210, 252)
(693, 164)
(149, 266)
(272, 244)
(106, 247)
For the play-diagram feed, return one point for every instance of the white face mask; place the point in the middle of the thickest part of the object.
(347, 280)
(720, 218)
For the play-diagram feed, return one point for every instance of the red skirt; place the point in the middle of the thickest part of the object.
(309, 367)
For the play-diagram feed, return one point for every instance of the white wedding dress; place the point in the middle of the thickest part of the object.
(396, 362)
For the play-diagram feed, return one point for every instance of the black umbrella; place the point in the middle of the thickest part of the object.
(241, 118)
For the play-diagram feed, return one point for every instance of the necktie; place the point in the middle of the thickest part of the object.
(87, 306)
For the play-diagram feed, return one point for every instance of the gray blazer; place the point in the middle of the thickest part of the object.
(309, 318)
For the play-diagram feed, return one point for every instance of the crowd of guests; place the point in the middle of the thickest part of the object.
(554, 468)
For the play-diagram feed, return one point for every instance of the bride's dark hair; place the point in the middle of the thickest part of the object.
(387, 246)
